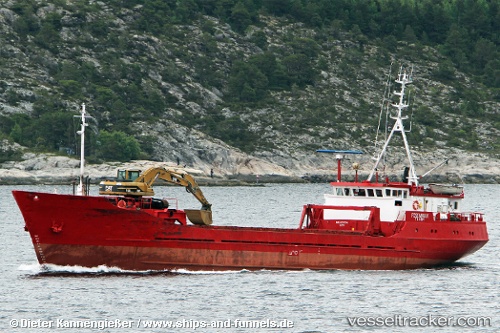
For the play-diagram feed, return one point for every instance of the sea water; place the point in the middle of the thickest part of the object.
(463, 297)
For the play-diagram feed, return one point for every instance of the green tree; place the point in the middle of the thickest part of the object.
(27, 22)
(305, 46)
(104, 96)
(17, 133)
(474, 15)
(47, 104)
(435, 21)
(277, 7)
(409, 34)
(456, 45)
(247, 83)
(48, 37)
(50, 131)
(240, 17)
(299, 69)
(445, 71)
(69, 71)
(492, 74)
(117, 146)
(186, 11)
(71, 88)
(484, 51)
(259, 38)
(267, 63)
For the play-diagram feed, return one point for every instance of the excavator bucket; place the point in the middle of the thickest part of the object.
(199, 217)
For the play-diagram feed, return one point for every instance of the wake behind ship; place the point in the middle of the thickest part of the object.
(367, 224)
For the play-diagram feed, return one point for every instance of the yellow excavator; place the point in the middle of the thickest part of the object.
(134, 183)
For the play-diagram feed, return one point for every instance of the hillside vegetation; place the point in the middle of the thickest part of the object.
(274, 77)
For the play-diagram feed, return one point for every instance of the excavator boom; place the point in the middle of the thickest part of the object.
(129, 184)
(174, 176)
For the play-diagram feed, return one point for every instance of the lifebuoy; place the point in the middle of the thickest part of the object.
(416, 205)
(122, 204)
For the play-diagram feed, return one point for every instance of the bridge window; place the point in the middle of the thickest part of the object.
(347, 191)
(370, 192)
(378, 193)
(359, 192)
(399, 193)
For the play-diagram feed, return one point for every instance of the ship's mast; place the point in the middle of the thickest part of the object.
(81, 132)
(403, 79)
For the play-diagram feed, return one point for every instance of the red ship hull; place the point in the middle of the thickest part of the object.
(91, 231)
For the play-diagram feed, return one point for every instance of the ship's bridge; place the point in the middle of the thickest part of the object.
(391, 200)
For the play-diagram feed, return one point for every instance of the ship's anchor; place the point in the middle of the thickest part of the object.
(57, 226)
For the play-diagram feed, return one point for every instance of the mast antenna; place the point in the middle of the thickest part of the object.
(81, 132)
(83, 124)
(385, 100)
(403, 79)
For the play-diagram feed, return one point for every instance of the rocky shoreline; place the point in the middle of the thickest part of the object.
(39, 169)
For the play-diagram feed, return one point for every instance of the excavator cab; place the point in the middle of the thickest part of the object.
(127, 175)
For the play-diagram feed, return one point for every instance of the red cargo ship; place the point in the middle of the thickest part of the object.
(362, 225)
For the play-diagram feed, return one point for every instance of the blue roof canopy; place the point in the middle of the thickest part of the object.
(334, 151)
